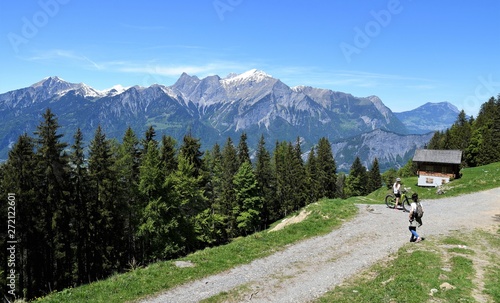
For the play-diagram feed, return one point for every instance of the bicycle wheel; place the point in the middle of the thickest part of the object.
(406, 205)
(390, 200)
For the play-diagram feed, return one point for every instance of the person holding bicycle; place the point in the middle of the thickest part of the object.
(397, 191)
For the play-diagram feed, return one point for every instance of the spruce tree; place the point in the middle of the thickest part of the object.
(374, 177)
(191, 151)
(19, 179)
(327, 169)
(52, 188)
(357, 180)
(161, 214)
(80, 196)
(106, 224)
(243, 153)
(227, 198)
(312, 177)
(168, 154)
(127, 167)
(211, 223)
(283, 161)
(266, 183)
(188, 188)
(248, 203)
(297, 177)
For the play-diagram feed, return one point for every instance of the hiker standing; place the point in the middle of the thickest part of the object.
(415, 218)
(396, 188)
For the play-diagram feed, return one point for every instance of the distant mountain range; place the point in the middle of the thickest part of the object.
(215, 108)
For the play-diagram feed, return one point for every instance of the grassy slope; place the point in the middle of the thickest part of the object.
(325, 216)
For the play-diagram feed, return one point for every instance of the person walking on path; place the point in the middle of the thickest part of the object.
(415, 218)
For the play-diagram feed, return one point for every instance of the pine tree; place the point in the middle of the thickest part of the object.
(80, 195)
(297, 177)
(52, 175)
(248, 203)
(161, 214)
(19, 179)
(357, 179)
(227, 195)
(266, 184)
(106, 226)
(188, 187)
(168, 155)
(211, 223)
(327, 169)
(243, 153)
(283, 155)
(374, 177)
(312, 177)
(127, 167)
(149, 136)
(191, 151)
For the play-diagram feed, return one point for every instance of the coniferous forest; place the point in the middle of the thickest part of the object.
(82, 213)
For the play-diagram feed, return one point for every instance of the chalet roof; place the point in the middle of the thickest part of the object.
(438, 156)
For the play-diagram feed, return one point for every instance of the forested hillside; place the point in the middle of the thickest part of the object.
(73, 217)
(478, 138)
(76, 216)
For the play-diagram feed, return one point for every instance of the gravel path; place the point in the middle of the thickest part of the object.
(306, 270)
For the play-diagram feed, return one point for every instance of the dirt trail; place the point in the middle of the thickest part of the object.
(306, 270)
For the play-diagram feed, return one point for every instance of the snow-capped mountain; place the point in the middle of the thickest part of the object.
(211, 108)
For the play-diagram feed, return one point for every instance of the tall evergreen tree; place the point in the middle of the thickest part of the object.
(312, 177)
(52, 175)
(168, 154)
(248, 202)
(191, 151)
(327, 169)
(227, 198)
(127, 167)
(19, 179)
(211, 223)
(283, 159)
(189, 190)
(80, 195)
(106, 224)
(357, 180)
(374, 177)
(297, 177)
(161, 215)
(266, 184)
(149, 136)
(243, 153)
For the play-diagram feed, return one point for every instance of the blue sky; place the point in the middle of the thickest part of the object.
(407, 52)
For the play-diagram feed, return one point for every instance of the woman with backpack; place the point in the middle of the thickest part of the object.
(415, 218)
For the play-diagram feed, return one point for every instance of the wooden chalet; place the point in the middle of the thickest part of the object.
(436, 167)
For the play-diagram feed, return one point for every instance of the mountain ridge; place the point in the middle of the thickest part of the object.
(211, 108)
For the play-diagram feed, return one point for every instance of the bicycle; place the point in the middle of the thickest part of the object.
(390, 200)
